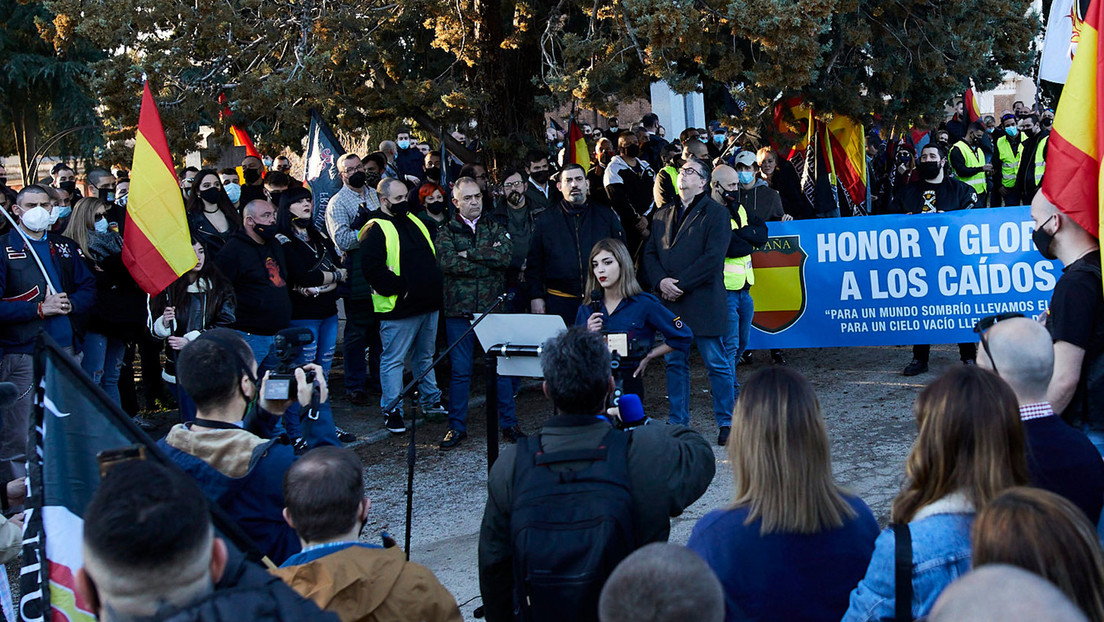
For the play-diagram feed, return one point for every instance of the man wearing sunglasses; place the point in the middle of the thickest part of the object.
(1075, 319)
(684, 258)
(1060, 458)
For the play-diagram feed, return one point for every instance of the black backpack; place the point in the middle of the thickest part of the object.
(568, 529)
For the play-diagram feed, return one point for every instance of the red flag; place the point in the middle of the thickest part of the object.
(241, 137)
(157, 246)
(970, 105)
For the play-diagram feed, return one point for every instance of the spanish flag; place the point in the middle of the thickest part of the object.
(844, 143)
(577, 151)
(157, 246)
(970, 104)
(1074, 175)
(241, 137)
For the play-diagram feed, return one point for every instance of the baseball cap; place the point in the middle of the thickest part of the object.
(746, 157)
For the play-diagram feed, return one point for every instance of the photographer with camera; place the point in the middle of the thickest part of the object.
(620, 307)
(232, 449)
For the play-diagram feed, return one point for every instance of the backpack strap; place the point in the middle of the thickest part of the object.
(571, 455)
(902, 575)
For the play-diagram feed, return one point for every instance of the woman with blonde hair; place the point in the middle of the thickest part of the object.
(623, 307)
(1048, 535)
(792, 545)
(969, 449)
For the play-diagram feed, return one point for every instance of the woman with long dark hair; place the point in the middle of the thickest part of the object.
(117, 315)
(970, 449)
(314, 273)
(211, 216)
(201, 299)
(788, 517)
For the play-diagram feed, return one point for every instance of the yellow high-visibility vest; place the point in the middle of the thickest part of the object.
(974, 159)
(737, 270)
(383, 304)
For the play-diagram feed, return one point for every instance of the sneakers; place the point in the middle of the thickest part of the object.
(722, 436)
(434, 413)
(777, 358)
(452, 438)
(915, 368)
(969, 362)
(745, 358)
(345, 436)
(513, 433)
(393, 421)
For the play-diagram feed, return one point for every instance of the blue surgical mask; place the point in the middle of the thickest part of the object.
(63, 211)
(404, 144)
(745, 177)
(100, 225)
(1012, 131)
(719, 139)
(233, 191)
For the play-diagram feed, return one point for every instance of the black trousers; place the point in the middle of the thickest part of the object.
(966, 351)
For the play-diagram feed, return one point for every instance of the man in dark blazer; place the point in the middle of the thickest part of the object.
(684, 264)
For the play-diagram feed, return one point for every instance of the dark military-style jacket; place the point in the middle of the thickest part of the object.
(472, 282)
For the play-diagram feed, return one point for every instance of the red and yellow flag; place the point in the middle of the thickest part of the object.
(1073, 174)
(241, 137)
(845, 142)
(576, 145)
(157, 246)
(970, 105)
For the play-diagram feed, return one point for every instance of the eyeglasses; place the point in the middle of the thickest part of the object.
(690, 169)
(982, 327)
(513, 184)
(99, 217)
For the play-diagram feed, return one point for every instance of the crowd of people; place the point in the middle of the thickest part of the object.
(649, 249)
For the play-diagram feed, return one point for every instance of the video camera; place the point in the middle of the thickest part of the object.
(289, 346)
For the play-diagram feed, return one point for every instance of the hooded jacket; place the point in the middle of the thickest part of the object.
(362, 583)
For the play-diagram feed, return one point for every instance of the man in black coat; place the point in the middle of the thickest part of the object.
(559, 251)
(684, 263)
(934, 192)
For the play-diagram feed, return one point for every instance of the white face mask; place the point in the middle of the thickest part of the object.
(37, 219)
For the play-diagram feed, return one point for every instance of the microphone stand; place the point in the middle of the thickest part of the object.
(411, 451)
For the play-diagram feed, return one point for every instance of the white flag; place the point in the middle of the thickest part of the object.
(1057, 56)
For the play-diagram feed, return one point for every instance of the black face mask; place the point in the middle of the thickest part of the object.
(302, 223)
(435, 207)
(210, 195)
(928, 170)
(630, 151)
(68, 186)
(266, 232)
(107, 195)
(604, 158)
(274, 197)
(541, 177)
(397, 209)
(251, 175)
(514, 197)
(1047, 123)
(1043, 241)
(372, 179)
(731, 196)
(357, 180)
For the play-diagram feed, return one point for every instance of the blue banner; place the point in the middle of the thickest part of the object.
(896, 280)
(321, 175)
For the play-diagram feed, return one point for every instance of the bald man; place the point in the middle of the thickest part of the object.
(1000, 593)
(1060, 458)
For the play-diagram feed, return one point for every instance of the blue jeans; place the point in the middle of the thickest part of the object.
(103, 362)
(740, 309)
(712, 350)
(416, 336)
(321, 352)
(264, 351)
(353, 349)
(460, 384)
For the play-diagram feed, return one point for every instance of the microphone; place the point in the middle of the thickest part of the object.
(596, 298)
(632, 411)
(8, 394)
